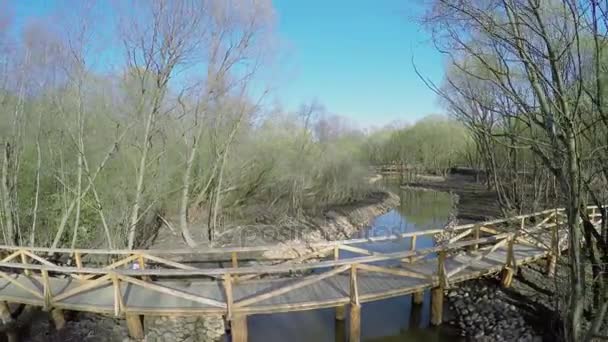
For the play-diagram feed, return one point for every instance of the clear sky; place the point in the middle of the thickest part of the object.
(354, 56)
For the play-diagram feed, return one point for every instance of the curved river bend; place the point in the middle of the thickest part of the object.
(382, 321)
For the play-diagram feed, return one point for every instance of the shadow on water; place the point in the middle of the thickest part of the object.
(394, 319)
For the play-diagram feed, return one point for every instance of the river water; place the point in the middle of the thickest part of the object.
(381, 321)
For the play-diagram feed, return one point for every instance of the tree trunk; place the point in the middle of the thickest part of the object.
(7, 207)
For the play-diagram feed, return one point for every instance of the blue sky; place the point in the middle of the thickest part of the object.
(354, 56)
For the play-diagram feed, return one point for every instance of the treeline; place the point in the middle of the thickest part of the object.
(433, 144)
(528, 80)
(179, 131)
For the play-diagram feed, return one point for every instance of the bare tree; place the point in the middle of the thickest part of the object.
(529, 55)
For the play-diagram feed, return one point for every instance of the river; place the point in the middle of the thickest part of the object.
(381, 321)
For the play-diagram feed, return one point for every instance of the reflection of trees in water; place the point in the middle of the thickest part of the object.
(424, 208)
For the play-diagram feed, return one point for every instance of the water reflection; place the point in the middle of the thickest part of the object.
(381, 321)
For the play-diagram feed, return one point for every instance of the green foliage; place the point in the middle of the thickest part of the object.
(434, 143)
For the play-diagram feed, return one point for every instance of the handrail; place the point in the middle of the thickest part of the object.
(281, 268)
(263, 248)
(269, 269)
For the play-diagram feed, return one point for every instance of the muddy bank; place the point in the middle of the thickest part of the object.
(336, 223)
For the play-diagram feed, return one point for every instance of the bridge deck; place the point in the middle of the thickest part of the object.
(331, 291)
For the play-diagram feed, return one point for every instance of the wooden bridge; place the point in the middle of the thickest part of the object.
(132, 283)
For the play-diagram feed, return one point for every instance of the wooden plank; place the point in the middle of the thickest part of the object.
(356, 250)
(37, 258)
(460, 236)
(168, 262)
(306, 281)
(21, 286)
(489, 230)
(477, 258)
(85, 287)
(393, 271)
(12, 256)
(173, 292)
(115, 264)
(312, 254)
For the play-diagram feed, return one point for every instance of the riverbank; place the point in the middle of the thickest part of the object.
(336, 223)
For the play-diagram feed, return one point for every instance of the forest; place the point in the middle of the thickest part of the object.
(165, 119)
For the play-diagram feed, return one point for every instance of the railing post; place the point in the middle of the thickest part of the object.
(441, 275)
(46, 290)
(477, 236)
(510, 264)
(413, 247)
(229, 297)
(340, 310)
(238, 321)
(554, 252)
(437, 292)
(238, 327)
(118, 304)
(355, 307)
(235, 263)
(134, 321)
(24, 261)
(78, 259)
(142, 266)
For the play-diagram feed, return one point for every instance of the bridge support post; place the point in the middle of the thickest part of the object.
(355, 323)
(238, 327)
(507, 277)
(436, 305)
(58, 318)
(418, 297)
(340, 312)
(136, 330)
(7, 319)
